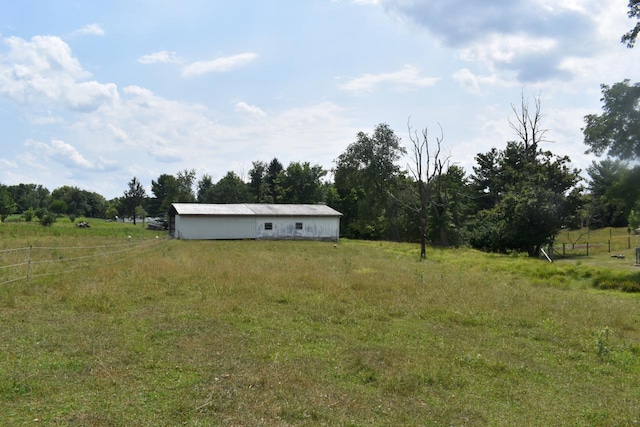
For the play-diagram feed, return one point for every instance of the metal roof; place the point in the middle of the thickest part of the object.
(253, 209)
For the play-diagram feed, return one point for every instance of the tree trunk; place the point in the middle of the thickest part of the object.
(423, 235)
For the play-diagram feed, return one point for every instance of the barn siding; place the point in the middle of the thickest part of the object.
(315, 228)
(247, 221)
(215, 227)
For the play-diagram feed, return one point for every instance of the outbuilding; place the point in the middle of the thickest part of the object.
(253, 221)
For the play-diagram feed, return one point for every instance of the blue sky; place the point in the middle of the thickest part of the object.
(95, 93)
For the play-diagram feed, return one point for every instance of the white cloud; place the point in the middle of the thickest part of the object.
(43, 71)
(409, 76)
(68, 155)
(61, 152)
(218, 65)
(162, 57)
(8, 164)
(474, 83)
(90, 29)
(506, 48)
(251, 110)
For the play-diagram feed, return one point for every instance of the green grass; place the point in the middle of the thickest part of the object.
(304, 333)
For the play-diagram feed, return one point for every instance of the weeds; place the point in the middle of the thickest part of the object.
(602, 342)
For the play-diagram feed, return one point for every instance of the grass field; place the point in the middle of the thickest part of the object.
(254, 333)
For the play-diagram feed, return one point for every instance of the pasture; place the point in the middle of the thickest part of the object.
(304, 333)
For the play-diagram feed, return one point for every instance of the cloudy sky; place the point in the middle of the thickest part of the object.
(95, 93)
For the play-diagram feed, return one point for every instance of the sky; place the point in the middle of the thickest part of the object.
(93, 94)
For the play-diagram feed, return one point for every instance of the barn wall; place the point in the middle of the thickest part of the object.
(313, 228)
(205, 227)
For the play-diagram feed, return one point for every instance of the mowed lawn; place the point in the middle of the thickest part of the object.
(267, 333)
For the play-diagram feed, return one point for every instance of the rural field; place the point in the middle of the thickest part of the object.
(113, 326)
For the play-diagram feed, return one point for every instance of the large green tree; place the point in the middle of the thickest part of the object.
(617, 130)
(76, 202)
(272, 180)
(29, 196)
(185, 181)
(7, 206)
(258, 186)
(540, 197)
(301, 183)
(133, 197)
(165, 191)
(364, 176)
(231, 189)
(206, 189)
(526, 195)
(614, 190)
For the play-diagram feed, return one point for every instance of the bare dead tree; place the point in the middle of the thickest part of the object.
(427, 170)
(528, 126)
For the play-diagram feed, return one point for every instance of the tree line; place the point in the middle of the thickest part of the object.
(516, 198)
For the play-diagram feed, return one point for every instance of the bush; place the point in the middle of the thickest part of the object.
(48, 219)
(623, 282)
(29, 214)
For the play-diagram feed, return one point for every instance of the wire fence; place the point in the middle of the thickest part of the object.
(31, 262)
(612, 245)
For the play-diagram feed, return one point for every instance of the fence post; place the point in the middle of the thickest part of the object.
(587, 248)
(638, 255)
(609, 245)
(563, 246)
(29, 263)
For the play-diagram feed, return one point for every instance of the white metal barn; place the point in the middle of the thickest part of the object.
(253, 221)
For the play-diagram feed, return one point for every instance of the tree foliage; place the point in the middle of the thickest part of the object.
(258, 186)
(206, 189)
(133, 198)
(629, 38)
(613, 188)
(165, 191)
(301, 183)
(539, 198)
(364, 176)
(272, 180)
(525, 195)
(7, 206)
(230, 189)
(617, 130)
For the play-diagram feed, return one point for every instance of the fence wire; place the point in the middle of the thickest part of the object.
(583, 247)
(32, 262)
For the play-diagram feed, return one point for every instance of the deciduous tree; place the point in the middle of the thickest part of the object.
(231, 189)
(427, 170)
(617, 130)
(364, 175)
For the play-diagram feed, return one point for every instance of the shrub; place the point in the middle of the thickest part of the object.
(48, 219)
(29, 214)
